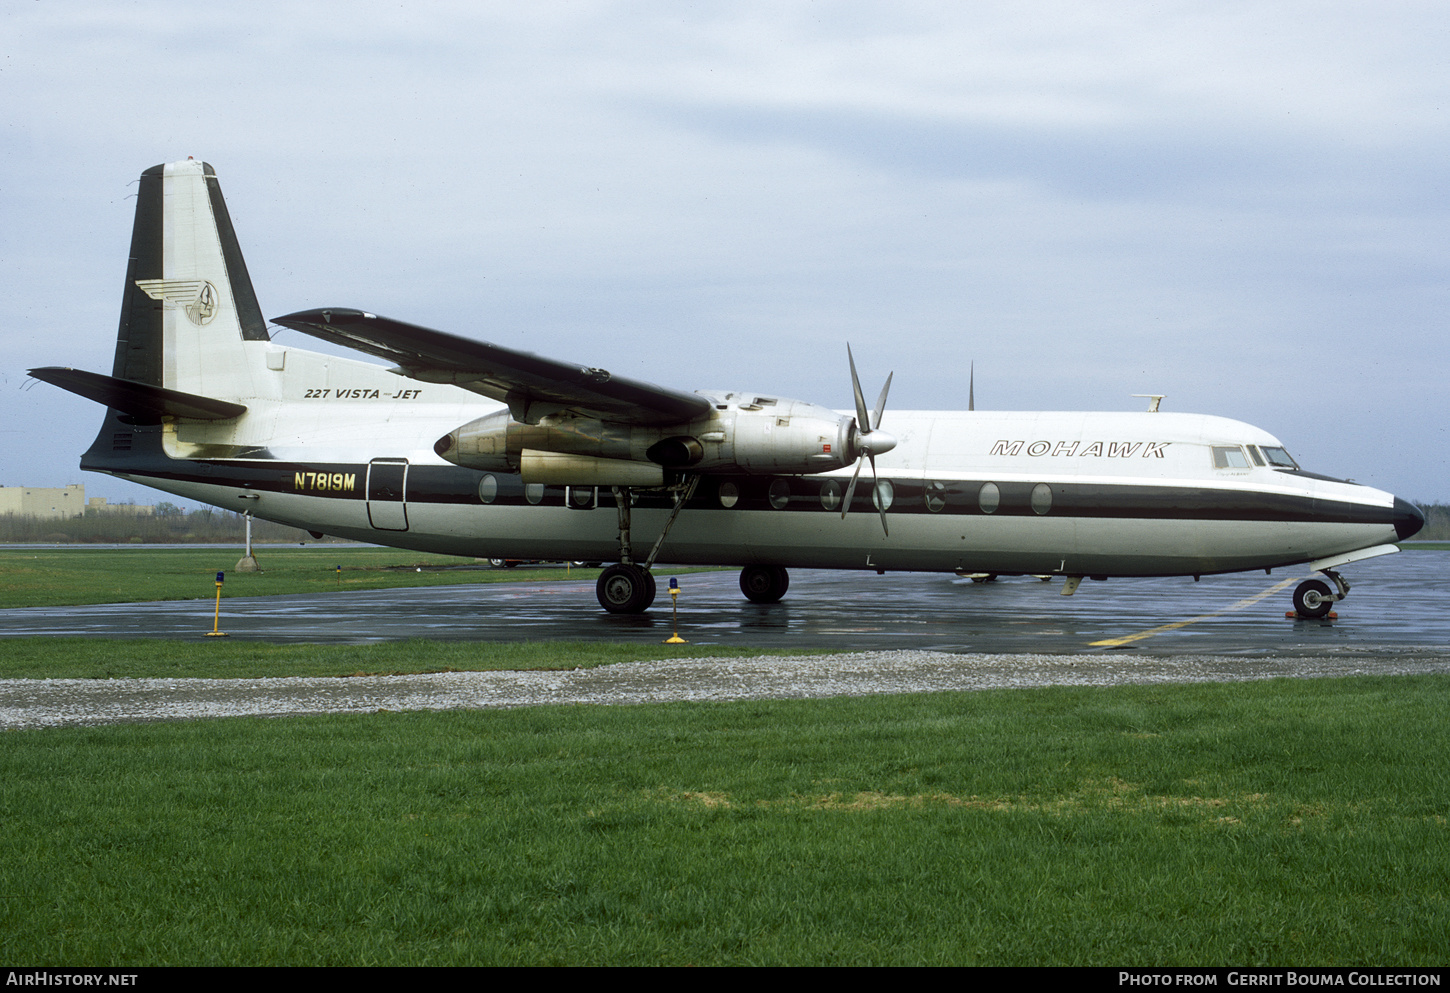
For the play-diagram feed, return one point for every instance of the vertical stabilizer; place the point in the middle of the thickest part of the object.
(188, 310)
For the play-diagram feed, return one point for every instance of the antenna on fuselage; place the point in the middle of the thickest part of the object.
(1156, 399)
(972, 388)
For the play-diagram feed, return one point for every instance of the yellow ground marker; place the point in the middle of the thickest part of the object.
(216, 618)
(675, 638)
(1115, 642)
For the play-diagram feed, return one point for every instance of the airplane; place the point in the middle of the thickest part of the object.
(463, 447)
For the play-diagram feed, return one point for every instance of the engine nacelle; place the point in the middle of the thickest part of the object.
(789, 437)
(744, 433)
(497, 442)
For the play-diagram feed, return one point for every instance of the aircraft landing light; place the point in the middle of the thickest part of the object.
(1248, 602)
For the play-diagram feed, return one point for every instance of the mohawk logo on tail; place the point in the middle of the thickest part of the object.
(197, 296)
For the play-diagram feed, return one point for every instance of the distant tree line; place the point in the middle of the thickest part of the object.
(1437, 522)
(169, 525)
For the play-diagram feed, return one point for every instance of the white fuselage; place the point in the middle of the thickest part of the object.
(1006, 492)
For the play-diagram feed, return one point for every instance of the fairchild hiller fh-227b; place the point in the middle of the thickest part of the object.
(464, 447)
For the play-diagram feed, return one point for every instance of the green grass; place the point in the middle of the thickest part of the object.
(80, 575)
(1285, 822)
(58, 577)
(205, 658)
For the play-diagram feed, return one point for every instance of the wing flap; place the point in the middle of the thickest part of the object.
(531, 385)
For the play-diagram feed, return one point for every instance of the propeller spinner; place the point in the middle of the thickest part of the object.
(870, 442)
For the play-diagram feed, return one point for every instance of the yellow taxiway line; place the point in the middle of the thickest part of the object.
(1114, 642)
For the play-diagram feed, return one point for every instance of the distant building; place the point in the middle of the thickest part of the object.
(43, 502)
(57, 503)
(98, 505)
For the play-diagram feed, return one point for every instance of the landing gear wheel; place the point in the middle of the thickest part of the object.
(625, 589)
(1311, 598)
(764, 583)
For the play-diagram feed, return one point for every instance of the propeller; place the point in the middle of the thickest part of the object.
(868, 439)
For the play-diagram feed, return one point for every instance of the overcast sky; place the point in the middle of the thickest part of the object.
(1240, 205)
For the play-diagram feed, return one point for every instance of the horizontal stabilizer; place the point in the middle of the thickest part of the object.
(531, 385)
(144, 404)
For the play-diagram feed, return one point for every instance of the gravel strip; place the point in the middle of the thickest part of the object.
(26, 703)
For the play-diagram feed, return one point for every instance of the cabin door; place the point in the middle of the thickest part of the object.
(387, 494)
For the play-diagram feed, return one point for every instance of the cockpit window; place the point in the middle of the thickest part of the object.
(1279, 459)
(1229, 457)
(1254, 454)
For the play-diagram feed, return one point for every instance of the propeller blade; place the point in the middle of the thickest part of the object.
(850, 490)
(876, 497)
(881, 403)
(865, 445)
(862, 424)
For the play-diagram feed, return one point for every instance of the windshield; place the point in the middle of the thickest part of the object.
(1279, 458)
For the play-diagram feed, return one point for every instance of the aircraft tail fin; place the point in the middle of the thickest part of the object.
(188, 309)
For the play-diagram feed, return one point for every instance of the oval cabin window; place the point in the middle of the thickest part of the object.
(1041, 498)
(989, 498)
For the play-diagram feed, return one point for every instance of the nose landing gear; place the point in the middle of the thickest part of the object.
(1312, 598)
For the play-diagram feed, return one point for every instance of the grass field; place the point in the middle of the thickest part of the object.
(56, 577)
(1287, 822)
(1273, 823)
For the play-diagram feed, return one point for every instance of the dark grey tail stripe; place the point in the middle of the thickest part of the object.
(138, 339)
(249, 313)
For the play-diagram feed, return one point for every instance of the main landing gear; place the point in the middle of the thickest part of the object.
(628, 587)
(1312, 598)
(625, 588)
(764, 583)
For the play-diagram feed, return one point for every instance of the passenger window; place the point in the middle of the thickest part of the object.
(989, 498)
(1229, 457)
(488, 488)
(936, 495)
(1041, 498)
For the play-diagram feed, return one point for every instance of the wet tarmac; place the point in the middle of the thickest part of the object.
(1397, 606)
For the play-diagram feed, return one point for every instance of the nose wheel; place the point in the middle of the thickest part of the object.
(1313, 599)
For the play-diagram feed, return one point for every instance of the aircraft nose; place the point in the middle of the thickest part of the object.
(1408, 519)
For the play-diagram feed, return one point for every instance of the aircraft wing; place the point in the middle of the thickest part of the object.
(532, 386)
